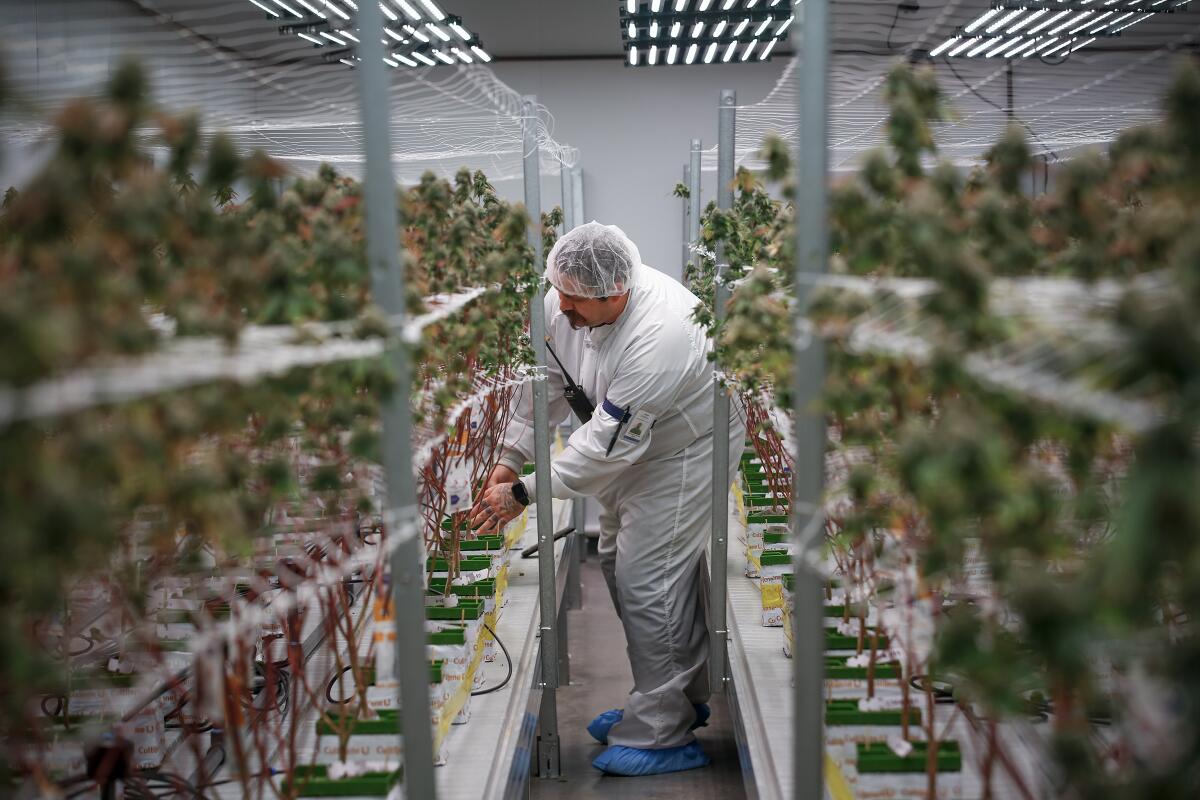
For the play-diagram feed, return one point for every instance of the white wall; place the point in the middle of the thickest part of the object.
(633, 128)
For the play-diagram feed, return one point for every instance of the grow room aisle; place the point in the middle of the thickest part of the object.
(600, 678)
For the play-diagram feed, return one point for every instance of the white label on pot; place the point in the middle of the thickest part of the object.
(371, 748)
(899, 746)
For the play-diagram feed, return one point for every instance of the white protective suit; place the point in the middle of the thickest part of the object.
(655, 487)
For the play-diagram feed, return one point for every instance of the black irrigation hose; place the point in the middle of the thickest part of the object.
(943, 692)
(333, 682)
(507, 657)
(57, 709)
(138, 786)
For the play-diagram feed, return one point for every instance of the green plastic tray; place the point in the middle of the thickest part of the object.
(845, 712)
(314, 781)
(836, 669)
(877, 757)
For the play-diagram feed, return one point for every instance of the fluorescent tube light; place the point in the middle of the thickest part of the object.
(979, 48)
(718, 29)
(729, 51)
(333, 38)
(741, 26)
(672, 53)
(288, 9)
(267, 9)
(1025, 20)
(433, 10)
(937, 51)
(676, 27)
(312, 39)
(405, 60)
(710, 53)
(652, 57)
(408, 10)
(766, 23)
(337, 10)
(697, 29)
(424, 59)
(787, 22)
(1004, 44)
(765, 53)
(1049, 21)
(984, 17)
(440, 56)
(995, 26)
(749, 51)
(387, 12)
(1070, 22)
(963, 46)
(690, 58)
(1057, 47)
(479, 51)
(463, 57)
(313, 9)
(462, 32)
(633, 56)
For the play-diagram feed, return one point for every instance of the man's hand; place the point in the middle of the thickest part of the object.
(500, 474)
(495, 508)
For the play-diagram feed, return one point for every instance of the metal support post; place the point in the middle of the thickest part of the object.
(567, 194)
(564, 653)
(548, 751)
(401, 518)
(573, 590)
(808, 529)
(687, 181)
(577, 188)
(693, 234)
(717, 605)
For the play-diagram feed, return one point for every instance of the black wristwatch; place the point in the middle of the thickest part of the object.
(520, 493)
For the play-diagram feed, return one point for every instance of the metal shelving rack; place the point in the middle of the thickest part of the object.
(810, 36)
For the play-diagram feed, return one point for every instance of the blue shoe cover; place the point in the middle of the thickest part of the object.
(631, 761)
(601, 725)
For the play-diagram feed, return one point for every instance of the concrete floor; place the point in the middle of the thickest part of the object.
(600, 679)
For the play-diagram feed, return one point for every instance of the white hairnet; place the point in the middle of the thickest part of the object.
(592, 260)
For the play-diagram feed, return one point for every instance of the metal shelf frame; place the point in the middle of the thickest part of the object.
(811, 40)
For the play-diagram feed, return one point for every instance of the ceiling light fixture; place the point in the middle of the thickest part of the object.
(720, 30)
(1011, 28)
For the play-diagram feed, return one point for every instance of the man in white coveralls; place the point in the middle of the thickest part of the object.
(624, 333)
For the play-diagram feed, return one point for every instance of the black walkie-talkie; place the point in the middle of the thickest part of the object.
(576, 398)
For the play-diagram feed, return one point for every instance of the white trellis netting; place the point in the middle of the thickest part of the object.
(1083, 101)
(269, 91)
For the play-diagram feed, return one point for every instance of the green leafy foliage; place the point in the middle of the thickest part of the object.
(1089, 537)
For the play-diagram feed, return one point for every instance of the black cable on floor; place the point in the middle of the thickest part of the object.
(333, 682)
(507, 658)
